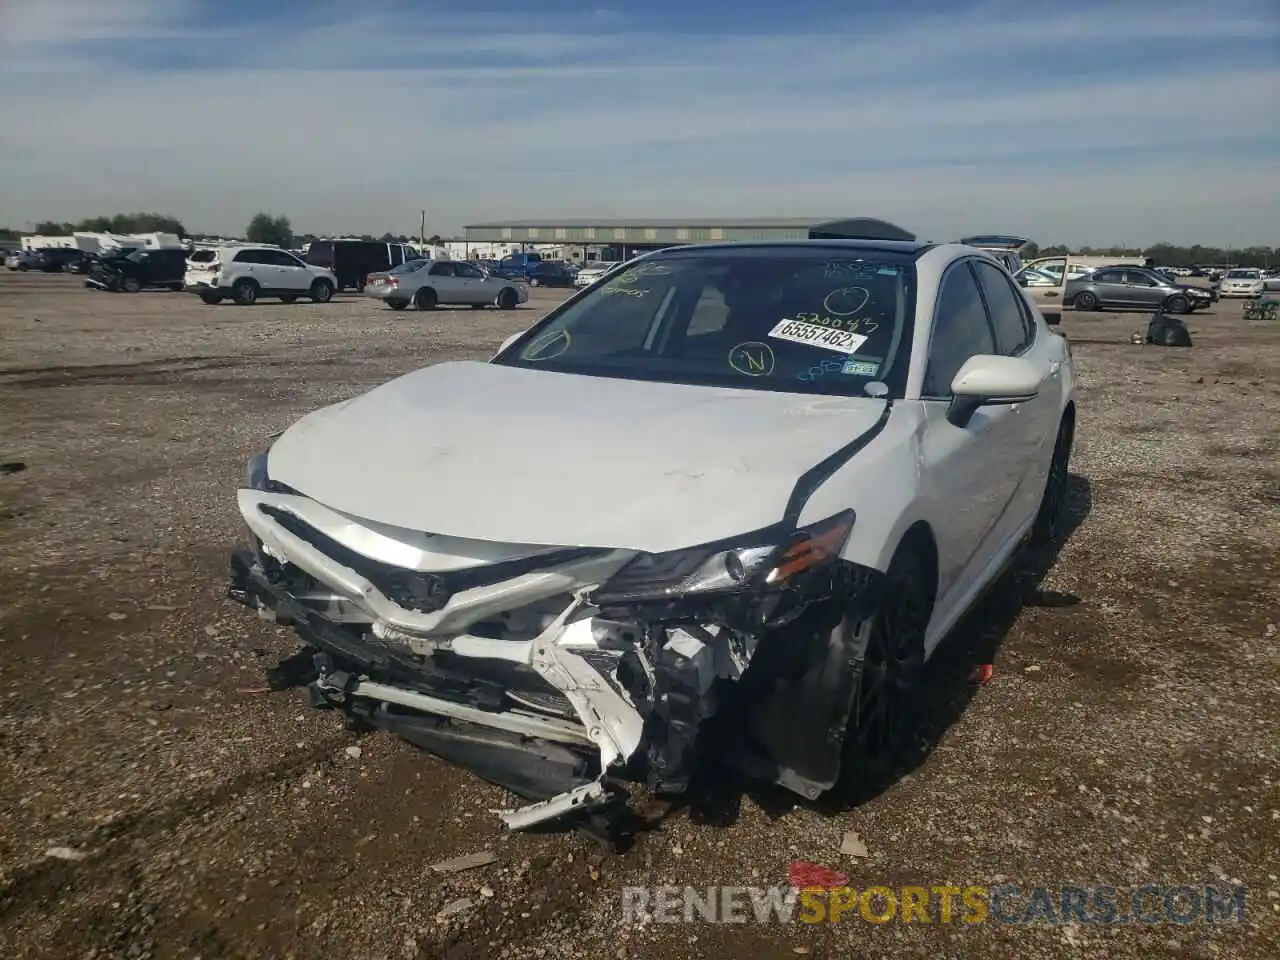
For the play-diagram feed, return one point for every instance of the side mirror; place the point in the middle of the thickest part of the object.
(987, 380)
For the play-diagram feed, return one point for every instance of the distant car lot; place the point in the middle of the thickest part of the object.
(1132, 697)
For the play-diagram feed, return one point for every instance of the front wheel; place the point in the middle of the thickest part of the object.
(321, 291)
(130, 284)
(506, 299)
(1048, 523)
(888, 656)
(1177, 304)
(1086, 301)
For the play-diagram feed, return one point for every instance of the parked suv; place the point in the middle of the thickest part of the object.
(134, 270)
(549, 273)
(351, 261)
(246, 272)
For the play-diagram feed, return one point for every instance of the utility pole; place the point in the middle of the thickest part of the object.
(422, 231)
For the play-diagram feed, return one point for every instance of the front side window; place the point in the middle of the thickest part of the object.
(1004, 304)
(826, 320)
(961, 330)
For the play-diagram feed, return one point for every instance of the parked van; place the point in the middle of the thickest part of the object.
(353, 260)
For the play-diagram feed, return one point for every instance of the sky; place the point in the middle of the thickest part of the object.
(1092, 122)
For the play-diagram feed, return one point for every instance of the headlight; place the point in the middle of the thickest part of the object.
(760, 561)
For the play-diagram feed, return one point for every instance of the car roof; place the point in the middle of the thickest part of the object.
(911, 248)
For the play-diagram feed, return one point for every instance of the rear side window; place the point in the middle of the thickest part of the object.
(442, 269)
(1008, 318)
(250, 256)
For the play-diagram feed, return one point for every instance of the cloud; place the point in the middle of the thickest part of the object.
(1104, 123)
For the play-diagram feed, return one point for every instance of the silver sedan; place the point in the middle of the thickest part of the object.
(426, 283)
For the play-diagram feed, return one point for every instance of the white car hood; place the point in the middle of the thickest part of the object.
(489, 452)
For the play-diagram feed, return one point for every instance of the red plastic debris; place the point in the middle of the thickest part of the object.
(982, 673)
(806, 875)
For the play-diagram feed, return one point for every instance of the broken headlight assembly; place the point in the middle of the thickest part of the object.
(764, 562)
(256, 476)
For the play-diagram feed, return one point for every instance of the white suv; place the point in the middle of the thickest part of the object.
(245, 272)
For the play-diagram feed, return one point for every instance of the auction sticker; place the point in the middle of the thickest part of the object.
(825, 338)
(860, 368)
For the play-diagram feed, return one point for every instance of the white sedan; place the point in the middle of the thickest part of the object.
(428, 283)
(726, 503)
(1242, 283)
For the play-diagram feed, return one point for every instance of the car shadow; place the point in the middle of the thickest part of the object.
(951, 680)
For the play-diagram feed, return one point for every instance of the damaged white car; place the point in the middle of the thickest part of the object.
(724, 505)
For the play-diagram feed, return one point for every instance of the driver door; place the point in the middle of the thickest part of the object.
(970, 475)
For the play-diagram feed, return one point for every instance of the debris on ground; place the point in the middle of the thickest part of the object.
(455, 907)
(854, 845)
(468, 862)
(65, 853)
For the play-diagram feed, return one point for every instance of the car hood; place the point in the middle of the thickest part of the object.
(488, 452)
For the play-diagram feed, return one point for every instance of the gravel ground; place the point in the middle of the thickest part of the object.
(157, 802)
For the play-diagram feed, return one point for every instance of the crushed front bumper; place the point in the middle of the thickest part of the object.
(571, 699)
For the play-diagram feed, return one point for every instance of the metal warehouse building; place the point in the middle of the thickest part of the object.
(626, 236)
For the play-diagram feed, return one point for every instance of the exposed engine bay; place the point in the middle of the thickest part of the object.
(557, 671)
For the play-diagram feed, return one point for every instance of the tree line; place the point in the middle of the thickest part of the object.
(276, 229)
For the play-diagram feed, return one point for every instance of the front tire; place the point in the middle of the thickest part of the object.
(1177, 304)
(1047, 528)
(130, 284)
(888, 657)
(321, 291)
(506, 299)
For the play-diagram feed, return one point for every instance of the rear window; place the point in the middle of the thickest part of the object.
(804, 320)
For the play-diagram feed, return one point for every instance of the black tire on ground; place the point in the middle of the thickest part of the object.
(321, 291)
(507, 298)
(289, 299)
(245, 293)
(397, 304)
(1177, 304)
(210, 298)
(130, 284)
(1085, 301)
(1048, 523)
(425, 299)
(888, 650)
(23, 268)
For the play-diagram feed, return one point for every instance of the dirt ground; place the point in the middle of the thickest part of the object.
(1128, 735)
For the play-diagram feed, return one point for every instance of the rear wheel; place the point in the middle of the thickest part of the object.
(245, 293)
(888, 654)
(210, 298)
(1086, 301)
(397, 304)
(425, 299)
